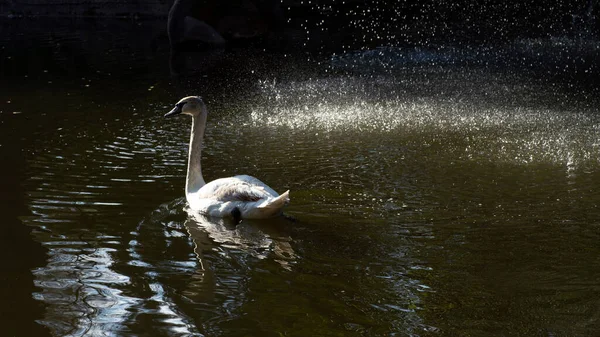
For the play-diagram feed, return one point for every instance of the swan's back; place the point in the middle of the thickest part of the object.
(238, 188)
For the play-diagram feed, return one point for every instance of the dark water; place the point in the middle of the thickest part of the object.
(435, 192)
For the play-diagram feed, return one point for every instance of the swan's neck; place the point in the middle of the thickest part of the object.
(177, 14)
(194, 180)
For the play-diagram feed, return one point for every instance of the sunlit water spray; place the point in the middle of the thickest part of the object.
(476, 113)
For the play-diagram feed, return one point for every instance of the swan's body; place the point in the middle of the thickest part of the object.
(239, 196)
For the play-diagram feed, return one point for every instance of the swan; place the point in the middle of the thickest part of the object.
(182, 27)
(241, 196)
(196, 24)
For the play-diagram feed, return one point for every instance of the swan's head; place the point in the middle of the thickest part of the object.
(191, 105)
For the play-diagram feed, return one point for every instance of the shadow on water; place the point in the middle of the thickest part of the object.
(20, 253)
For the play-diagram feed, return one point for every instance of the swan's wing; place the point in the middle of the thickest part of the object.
(256, 182)
(239, 192)
(233, 189)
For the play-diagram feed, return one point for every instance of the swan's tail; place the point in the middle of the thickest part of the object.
(268, 208)
(276, 204)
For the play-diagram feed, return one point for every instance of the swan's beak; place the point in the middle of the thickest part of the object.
(176, 111)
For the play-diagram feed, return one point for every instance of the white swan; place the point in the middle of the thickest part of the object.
(240, 197)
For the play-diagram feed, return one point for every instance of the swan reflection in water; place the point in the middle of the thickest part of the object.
(266, 238)
(184, 255)
(237, 243)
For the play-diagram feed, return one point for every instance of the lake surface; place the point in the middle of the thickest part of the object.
(435, 191)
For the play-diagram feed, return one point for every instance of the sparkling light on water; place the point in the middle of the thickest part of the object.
(492, 116)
